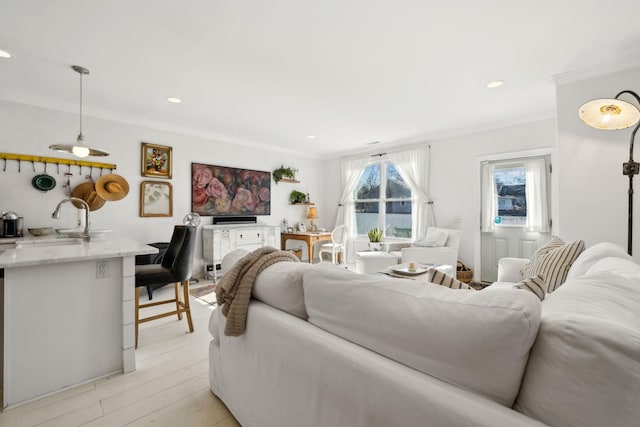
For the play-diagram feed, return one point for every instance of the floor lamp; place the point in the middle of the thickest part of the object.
(614, 114)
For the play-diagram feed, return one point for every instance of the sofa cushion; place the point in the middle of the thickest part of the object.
(476, 340)
(435, 237)
(592, 255)
(553, 261)
(439, 278)
(280, 286)
(584, 368)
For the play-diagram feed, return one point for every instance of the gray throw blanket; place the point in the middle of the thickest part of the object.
(234, 289)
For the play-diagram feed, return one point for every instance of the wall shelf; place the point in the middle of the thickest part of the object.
(303, 204)
(293, 181)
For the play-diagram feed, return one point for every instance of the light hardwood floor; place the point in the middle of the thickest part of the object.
(169, 388)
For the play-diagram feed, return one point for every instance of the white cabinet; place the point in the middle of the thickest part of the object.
(219, 240)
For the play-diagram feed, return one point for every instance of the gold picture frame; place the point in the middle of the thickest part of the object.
(156, 160)
(156, 199)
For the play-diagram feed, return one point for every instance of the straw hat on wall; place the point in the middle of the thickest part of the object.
(112, 187)
(87, 192)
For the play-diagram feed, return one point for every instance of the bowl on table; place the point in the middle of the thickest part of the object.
(41, 231)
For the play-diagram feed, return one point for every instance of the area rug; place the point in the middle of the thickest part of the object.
(206, 293)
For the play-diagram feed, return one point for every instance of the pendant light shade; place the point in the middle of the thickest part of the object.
(80, 148)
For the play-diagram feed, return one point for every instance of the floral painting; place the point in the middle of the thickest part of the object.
(225, 191)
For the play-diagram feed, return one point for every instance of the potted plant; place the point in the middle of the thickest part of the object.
(375, 239)
(297, 197)
(282, 172)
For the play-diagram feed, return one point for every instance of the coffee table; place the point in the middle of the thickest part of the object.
(389, 271)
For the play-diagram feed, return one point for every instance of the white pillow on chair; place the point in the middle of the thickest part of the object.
(436, 237)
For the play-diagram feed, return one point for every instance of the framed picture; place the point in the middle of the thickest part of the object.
(301, 227)
(156, 198)
(156, 160)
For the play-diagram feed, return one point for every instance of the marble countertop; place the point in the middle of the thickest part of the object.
(53, 250)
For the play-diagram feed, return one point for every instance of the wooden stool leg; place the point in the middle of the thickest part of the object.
(137, 313)
(177, 292)
(187, 306)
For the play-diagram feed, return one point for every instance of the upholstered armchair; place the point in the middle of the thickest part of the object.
(439, 247)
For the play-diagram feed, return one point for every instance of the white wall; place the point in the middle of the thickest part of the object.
(592, 189)
(30, 130)
(455, 174)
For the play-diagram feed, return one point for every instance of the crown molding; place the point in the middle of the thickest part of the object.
(596, 70)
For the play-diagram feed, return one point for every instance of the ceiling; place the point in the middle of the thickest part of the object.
(272, 73)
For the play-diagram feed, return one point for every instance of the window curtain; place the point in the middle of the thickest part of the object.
(352, 170)
(489, 199)
(413, 165)
(536, 196)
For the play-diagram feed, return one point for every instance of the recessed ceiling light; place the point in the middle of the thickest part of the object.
(495, 83)
(5, 54)
(174, 100)
(311, 136)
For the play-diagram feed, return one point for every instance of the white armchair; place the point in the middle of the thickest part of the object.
(510, 269)
(446, 253)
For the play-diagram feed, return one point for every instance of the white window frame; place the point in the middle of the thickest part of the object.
(382, 211)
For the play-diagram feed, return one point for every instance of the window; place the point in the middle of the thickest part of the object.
(383, 200)
(510, 184)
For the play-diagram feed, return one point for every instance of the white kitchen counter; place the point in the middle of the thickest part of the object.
(54, 250)
(68, 312)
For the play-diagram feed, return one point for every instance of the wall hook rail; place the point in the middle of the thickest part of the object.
(53, 160)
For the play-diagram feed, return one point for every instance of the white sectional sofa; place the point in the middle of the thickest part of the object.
(327, 347)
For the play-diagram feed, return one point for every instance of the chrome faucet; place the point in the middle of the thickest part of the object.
(56, 214)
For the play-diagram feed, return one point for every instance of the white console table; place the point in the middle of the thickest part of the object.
(219, 240)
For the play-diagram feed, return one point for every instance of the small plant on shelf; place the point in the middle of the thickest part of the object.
(287, 173)
(297, 197)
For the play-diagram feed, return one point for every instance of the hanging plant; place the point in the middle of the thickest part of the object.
(282, 172)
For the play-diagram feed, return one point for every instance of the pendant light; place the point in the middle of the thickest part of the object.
(80, 148)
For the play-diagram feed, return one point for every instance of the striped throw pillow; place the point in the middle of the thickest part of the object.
(529, 270)
(439, 278)
(535, 285)
(554, 265)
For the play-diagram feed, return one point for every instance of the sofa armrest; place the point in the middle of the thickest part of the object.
(509, 269)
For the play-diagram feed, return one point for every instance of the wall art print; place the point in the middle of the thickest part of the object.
(226, 191)
(156, 160)
(156, 198)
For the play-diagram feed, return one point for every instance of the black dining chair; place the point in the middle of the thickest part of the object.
(175, 268)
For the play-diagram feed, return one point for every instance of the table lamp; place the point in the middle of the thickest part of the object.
(312, 215)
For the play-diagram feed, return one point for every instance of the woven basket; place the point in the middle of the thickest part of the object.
(296, 252)
(464, 273)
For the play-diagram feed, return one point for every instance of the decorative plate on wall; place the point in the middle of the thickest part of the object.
(43, 182)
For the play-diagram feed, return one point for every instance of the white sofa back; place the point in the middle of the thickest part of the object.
(476, 340)
(584, 368)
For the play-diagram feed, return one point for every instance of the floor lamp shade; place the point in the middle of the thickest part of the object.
(615, 114)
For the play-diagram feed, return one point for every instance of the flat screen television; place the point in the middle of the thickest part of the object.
(226, 191)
